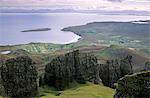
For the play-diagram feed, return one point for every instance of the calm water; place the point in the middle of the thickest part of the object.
(11, 26)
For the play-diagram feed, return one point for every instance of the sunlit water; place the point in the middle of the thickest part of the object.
(11, 25)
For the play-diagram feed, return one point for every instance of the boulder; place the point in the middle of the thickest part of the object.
(19, 77)
(134, 86)
(74, 66)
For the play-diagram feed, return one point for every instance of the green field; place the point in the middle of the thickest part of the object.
(76, 90)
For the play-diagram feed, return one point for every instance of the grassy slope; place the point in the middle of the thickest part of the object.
(88, 90)
(38, 48)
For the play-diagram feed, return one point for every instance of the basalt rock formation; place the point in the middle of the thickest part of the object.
(115, 69)
(19, 77)
(81, 67)
(134, 86)
(73, 66)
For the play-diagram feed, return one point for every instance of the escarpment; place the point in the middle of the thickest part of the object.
(81, 67)
(19, 77)
(73, 66)
(134, 86)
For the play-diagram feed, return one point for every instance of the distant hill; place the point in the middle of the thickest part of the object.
(104, 12)
(138, 58)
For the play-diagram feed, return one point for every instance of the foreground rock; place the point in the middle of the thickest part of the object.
(134, 86)
(19, 77)
(73, 66)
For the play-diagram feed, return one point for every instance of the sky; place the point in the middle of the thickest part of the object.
(139, 5)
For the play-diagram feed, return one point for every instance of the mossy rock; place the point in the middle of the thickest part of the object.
(136, 85)
(19, 77)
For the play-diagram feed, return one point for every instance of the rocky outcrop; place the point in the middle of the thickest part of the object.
(110, 72)
(73, 66)
(2, 90)
(115, 69)
(134, 86)
(81, 67)
(126, 66)
(19, 77)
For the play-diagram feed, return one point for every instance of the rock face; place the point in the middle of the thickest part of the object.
(2, 90)
(82, 67)
(115, 69)
(134, 86)
(126, 66)
(19, 77)
(110, 72)
(73, 66)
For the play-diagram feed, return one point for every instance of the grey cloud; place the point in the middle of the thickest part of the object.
(115, 0)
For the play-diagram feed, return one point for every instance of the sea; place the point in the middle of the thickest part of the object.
(11, 25)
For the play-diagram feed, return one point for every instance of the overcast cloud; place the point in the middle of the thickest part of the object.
(115, 0)
(142, 5)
